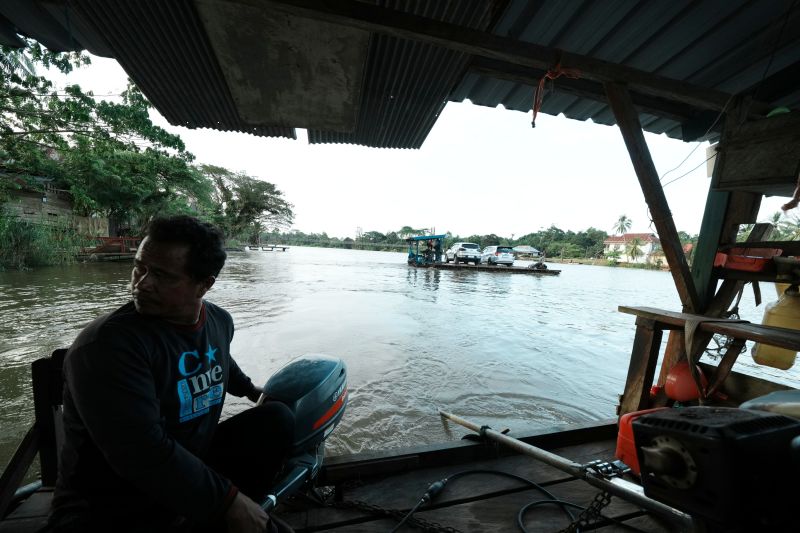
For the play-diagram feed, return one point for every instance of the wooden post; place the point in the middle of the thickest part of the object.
(628, 121)
(725, 210)
(644, 356)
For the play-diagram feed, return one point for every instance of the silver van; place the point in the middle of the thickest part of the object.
(498, 255)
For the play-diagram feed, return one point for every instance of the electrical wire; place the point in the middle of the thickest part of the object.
(437, 487)
(689, 171)
(711, 127)
(725, 107)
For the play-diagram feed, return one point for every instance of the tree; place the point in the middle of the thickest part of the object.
(374, 237)
(622, 225)
(107, 154)
(613, 256)
(632, 249)
(744, 231)
(246, 206)
(788, 229)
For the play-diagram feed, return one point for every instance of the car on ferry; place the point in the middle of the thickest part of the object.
(463, 252)
(498, 255)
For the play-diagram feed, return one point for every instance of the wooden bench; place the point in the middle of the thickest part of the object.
(650, 324)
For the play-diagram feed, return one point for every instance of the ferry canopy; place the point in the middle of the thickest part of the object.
(380, 73)
(426, 238)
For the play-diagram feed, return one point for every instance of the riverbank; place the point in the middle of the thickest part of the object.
(25, 245)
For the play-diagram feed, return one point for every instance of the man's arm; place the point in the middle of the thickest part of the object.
(241, 385)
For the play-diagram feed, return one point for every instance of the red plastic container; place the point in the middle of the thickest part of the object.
(626, 447)
(747, 259)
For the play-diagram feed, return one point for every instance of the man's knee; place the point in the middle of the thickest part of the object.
(279, 419)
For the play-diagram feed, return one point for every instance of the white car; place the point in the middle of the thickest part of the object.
(463, 252)
(498, 255)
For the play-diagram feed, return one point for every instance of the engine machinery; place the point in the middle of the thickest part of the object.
(731, 467)
(315, 389)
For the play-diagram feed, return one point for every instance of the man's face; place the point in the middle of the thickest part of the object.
(161, 286)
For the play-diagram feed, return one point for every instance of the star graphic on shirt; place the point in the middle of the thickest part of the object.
(210, 354)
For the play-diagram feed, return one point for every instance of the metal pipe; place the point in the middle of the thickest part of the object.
(565, 465)
(616, 486)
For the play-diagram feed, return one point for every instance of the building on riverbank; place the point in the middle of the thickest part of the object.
(45, 204)
(649, 248)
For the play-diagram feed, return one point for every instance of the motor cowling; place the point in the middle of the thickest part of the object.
(315, 389)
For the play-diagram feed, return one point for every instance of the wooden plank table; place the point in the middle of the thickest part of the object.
(650, 324)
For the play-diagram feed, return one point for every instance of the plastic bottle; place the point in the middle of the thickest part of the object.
(784, 313)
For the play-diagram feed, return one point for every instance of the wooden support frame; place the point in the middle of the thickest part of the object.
(651, 322)
(644, 356)
(725, 210)
(628, 121)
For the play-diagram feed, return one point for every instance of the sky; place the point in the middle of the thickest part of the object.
(480, 171)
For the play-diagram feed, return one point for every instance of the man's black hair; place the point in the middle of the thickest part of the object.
(206, 243)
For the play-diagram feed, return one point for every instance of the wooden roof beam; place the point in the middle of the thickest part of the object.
(459, 38)
(679, 112)
(628, 122)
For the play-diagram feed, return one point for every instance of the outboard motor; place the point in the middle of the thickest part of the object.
(315, 389)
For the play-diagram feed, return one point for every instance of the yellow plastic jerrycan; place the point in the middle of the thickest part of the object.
(784, 313)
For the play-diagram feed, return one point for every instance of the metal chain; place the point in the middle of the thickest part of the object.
(723, 342)
(590, 515)
(425, 525)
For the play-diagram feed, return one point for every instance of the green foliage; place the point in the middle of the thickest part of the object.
(633, 250)
(622, 225)
(787, 227)
(108, 154)
(245, 206)
(27, 245)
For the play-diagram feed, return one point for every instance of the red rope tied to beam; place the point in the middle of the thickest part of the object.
(553, 73)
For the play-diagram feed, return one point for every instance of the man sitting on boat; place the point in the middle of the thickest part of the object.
(144, 388)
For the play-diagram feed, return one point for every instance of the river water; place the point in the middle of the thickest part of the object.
(508, 350)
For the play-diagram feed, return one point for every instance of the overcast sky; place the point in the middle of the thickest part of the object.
(480, 171)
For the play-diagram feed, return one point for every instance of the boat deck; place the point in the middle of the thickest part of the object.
(374, 493)
(371, 492)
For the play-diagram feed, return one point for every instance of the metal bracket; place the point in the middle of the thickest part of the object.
(606, 469)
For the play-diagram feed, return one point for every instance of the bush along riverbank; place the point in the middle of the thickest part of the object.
(25, 244)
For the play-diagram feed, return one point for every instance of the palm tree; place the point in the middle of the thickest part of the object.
(16, 62)
(632, 249)
(623, 225)
(778, 226)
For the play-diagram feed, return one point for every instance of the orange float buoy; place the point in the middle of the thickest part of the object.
(680, 385)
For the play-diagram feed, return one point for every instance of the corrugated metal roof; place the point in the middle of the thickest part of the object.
(407, 83)
(729, 45)
(736, 46)
(161, 45)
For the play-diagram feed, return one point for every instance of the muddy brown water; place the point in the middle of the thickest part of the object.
(517, 351)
